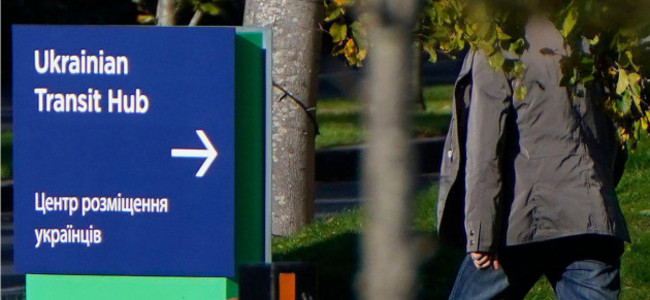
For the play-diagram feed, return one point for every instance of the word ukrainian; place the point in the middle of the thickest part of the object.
(67, 235)
(50, 62)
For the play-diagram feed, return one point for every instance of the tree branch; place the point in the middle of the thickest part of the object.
(196, 18)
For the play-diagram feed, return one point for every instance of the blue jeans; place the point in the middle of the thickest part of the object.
(584, 267)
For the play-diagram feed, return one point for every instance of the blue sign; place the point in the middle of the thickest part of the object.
(124, 150)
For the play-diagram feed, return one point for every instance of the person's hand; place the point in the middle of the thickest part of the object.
(484, 260)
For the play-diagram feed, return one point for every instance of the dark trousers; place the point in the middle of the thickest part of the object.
(583, 267)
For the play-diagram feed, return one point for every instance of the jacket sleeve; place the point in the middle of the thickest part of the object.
(489, 107)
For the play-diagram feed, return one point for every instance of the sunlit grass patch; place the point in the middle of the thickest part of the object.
(340, 120)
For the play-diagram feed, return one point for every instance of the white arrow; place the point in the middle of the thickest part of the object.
(209, 153)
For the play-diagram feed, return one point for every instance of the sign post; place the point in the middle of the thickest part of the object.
(126, 156)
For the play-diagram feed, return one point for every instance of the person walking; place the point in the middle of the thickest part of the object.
(527, 185)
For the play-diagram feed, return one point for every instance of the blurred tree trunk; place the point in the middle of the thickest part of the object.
(296, 52)
(166, 13)
(388, 268)
(417, 75)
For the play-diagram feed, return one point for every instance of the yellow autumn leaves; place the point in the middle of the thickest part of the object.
(348, 38)
(606, 38)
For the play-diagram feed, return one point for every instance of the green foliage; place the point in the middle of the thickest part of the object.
(339, 32)
(569, 21)
(348, 36)
(210, 7)
(610, 41)
(147, 8)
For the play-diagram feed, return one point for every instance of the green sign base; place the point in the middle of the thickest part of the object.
(81, 287)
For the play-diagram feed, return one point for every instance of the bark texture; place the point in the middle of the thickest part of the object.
(166, 13)
(417, 75)
(388, 261)
(296, 49)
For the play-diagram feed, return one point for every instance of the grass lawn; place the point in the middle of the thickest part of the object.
(333, 243)
(339, 119)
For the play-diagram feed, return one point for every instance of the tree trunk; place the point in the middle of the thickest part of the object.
(388, 262)
(296, 50)
(166, 13)
(417, 75)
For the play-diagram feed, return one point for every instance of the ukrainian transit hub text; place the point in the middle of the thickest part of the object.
(120, 151)
(90, 100)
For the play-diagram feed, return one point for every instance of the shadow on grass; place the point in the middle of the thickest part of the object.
(341, 129)
(431, 124)
(434, 121)
(351, 118)
(338, 262)
(437, 274)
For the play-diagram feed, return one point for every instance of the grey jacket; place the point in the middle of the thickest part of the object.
(522, 171)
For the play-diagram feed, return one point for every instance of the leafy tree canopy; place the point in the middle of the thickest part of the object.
(610, 38)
